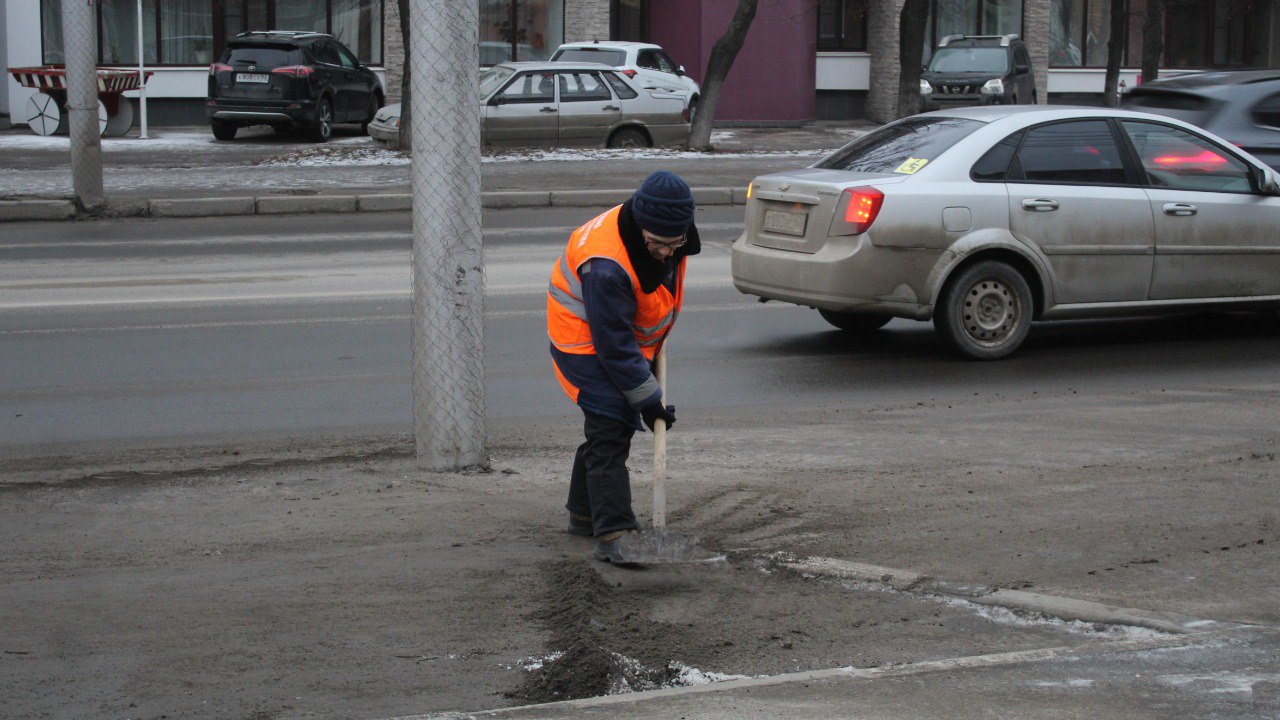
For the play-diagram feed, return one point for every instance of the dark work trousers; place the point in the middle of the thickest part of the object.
(600, 486)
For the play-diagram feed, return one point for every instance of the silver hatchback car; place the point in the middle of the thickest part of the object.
(983, 219)
(545, 104)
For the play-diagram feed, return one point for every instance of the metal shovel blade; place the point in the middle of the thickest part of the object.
(660, 546)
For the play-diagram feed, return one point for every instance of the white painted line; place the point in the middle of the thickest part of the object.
(849, 673)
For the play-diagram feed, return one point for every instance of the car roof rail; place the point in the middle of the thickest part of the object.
(1008, 39)
(946, 40)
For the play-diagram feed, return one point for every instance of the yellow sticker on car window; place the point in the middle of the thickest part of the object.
(911, 166)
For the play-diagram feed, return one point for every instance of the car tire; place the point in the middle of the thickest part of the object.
(856, 323)
(375, 104)
(693, 109)
(223, 130)
(323, 127)
(985, 311)
(629, 138)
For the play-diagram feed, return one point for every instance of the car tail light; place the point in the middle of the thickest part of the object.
(629, 73)
(856, 211)
(295, 70)
(216, 68)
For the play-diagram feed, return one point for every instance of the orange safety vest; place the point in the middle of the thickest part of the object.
(567, 315)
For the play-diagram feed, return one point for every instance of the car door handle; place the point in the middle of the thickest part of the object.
(547, 109)
(1039, 205)
(610, 107)
(1179, 209)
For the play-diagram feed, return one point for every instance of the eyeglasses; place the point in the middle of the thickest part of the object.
(659, 242)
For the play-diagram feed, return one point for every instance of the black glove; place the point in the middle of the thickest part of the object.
(655, 412)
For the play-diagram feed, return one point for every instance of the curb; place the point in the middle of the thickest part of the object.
(37, 210)
(1062, 608)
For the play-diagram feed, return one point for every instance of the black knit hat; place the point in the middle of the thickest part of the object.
(663, 205)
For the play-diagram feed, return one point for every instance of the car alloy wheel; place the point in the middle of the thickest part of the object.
(985, 311)
(323, 128)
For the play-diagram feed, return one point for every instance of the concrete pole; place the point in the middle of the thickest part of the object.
(142, 76)
(80, 46)
(448, 260)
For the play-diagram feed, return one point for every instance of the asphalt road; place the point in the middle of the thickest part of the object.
(1129, 462)
(178, 332)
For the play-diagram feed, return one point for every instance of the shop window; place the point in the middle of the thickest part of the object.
(842, 25)
(628, 20)
(520, 29)
(193, 32)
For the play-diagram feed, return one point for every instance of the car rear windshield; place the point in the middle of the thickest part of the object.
(887, 150)
(263, 55)
(986, 60)
(595, 55)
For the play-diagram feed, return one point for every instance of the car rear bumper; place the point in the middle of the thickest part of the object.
(849, 274)
(384, 133)
(268, 112)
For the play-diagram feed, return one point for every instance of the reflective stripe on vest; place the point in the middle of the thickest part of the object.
(566, 313)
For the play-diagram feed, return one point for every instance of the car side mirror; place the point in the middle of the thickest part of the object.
(680, 71)
(1265, 180)
(1022, 69)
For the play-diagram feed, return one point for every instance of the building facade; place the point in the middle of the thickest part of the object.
(802, 59)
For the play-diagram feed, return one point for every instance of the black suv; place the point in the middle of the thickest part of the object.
(289, 80)
(978, 70)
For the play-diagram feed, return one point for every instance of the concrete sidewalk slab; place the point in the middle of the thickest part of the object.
(27, 210)
(282, 205)
(203, 207)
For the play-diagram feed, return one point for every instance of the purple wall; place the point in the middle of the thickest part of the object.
(772, 79)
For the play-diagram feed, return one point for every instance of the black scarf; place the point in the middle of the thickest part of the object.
(649, 269)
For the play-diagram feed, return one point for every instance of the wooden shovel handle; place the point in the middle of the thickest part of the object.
(660, 448)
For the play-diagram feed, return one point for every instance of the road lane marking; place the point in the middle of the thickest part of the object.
(397, 317)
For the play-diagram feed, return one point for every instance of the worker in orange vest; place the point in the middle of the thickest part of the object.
(614, 296)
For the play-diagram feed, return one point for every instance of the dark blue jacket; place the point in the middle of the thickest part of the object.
(611, 308)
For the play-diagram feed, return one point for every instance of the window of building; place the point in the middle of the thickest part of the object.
(970, 17)
(520, 29)
(194, 32)
(1198, 33)
(842, 25)
(629, 20)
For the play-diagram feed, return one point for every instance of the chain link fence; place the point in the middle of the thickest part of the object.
(80, 40)
(448, 260)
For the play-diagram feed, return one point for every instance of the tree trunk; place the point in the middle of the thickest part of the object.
(1152, 40)
(405, 142)
(1115, 53)
(911, 27)
(723, 54)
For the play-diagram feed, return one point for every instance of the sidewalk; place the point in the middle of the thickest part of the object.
(184, 172)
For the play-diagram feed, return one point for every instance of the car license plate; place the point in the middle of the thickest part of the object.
(787, 223)
(252, 78)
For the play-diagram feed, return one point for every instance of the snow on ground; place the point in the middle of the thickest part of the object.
(160, 140)
(367, 157)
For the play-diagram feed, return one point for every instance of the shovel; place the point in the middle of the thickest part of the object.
(658, 545)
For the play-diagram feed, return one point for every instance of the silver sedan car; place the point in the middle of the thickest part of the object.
(542, 104)
(984, 219)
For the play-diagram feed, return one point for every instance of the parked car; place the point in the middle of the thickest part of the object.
(542, 104)
(978, 70)
(290, 80)
(983, 219)
(646, 63)
(1242, 106)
